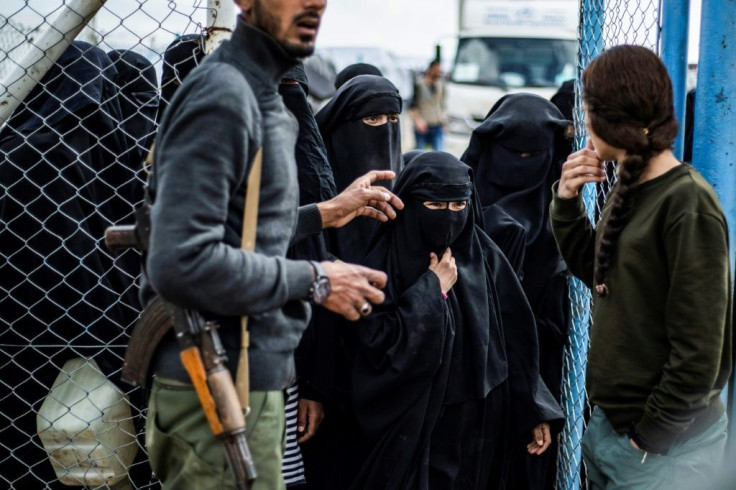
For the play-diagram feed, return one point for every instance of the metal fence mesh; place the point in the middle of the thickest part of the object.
(602, 24)
(70, 160)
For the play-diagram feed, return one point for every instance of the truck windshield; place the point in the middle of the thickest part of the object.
(514, 62)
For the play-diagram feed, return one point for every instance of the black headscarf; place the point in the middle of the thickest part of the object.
(138, 98)
(181, 57)
(420, 356)
(410, 155)
(352, 71)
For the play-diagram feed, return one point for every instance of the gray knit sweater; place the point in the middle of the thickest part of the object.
(225, 110)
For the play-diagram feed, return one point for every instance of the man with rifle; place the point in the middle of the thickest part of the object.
(223, 117)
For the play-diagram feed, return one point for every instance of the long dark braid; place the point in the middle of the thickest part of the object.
(628, 95)
(629, 172)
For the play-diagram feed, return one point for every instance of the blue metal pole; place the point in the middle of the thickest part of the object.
(592, 16)
(675, 20)
(714, 145)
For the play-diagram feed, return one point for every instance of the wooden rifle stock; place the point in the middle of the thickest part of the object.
(192, 362)
(204, 359)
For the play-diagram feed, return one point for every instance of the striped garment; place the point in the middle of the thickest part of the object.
(293, 466)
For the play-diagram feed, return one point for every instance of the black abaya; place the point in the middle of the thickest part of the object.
(517, 153)
(439, 384)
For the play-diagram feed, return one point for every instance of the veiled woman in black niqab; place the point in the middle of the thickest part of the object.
(61, 174)
(441, 385)
(315, 356)
(355, 147)
(517, 154)
(180, 57)
(138, 97)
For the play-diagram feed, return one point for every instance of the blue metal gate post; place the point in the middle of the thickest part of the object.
(714, 145)
(592, 15)
(674, 21)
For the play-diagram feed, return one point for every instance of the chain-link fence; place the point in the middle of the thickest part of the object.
(70, 160)
(602, 24)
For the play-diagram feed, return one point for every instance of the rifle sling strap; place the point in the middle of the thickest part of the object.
(248, 243)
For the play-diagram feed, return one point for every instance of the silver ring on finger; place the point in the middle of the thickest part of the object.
(366, 309)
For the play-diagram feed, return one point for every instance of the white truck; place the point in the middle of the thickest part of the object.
(507, 47)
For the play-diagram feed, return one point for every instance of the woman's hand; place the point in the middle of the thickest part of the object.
(541, 439)
(445, 269)
(309, 415)
(580, 168)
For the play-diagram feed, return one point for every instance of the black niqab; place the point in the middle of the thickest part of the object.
(401, 248)
(355, 148)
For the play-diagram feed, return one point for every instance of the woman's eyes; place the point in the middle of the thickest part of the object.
(380, 119)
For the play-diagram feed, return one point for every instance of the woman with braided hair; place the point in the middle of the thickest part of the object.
(658, 264)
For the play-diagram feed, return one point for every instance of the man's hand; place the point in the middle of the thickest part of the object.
(353, 288)
(309, 415)
(542, 438)
(361, 198)
(421, 125)
(580, 168)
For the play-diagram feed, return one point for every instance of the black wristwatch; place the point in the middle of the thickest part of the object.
(320, 288)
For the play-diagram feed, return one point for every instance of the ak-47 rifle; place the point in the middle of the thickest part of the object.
(202, 355)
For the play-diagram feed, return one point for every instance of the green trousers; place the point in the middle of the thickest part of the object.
(184, 454)
(613, 463)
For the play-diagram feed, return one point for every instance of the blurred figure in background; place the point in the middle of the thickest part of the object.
(427, 109)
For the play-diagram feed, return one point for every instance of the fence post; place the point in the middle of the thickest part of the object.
(43, 53)
(592, 17)
(220, 23)
(674, 23)
(714, 145)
